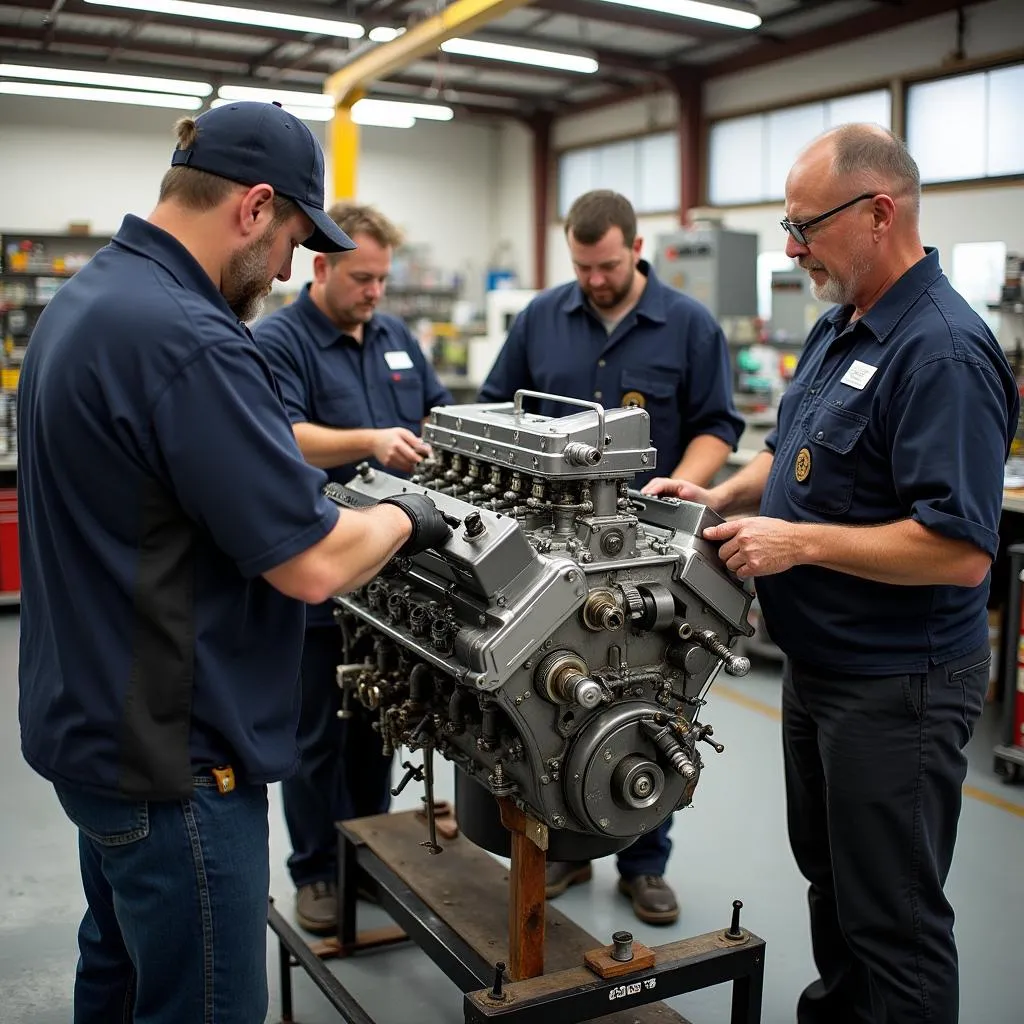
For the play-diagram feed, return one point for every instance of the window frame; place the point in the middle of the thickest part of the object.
(961, 70)
(896, 99)
(612, 140)
(898, 87)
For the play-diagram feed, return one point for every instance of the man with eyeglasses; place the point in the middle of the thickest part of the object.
(879, 493)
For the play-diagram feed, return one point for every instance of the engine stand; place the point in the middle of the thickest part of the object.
(454, 907)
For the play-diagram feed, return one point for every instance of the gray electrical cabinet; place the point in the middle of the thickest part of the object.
(712, 265)
(795, 310)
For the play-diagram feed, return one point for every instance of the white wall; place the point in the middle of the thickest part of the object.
(513, 202)
(65, 160)
(948, 216)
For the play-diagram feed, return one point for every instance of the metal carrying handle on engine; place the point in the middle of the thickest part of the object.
(598, 408)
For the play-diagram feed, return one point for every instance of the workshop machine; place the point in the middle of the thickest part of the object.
(560, 646)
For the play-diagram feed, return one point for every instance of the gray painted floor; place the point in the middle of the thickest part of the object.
(731, 845)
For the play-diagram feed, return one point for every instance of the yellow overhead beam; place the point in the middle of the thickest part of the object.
(458, 19)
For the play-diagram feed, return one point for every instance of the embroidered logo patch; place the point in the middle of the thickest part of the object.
(802, 467)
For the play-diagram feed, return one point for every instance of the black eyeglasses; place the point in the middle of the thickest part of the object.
(797, 230)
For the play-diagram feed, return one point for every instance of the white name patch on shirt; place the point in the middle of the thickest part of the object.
(401, 361)
(858, 374)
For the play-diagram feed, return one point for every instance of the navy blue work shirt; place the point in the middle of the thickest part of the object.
(667, 354)
(158, 478)
(905, 413)
(330, 379)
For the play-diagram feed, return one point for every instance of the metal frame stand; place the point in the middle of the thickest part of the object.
(465, 938)
(294, 951)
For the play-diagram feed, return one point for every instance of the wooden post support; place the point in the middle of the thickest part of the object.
(525, 893)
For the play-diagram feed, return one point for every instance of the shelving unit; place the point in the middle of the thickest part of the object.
(33, 267)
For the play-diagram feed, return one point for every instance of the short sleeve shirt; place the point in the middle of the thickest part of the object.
(905, 413)
(158, 479)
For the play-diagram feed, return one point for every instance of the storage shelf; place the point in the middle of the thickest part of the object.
(21, 275)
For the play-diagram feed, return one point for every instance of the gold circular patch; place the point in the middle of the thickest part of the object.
(802, 469)
(633, 398)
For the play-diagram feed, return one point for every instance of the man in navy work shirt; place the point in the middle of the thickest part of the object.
(171, 533)
(618, 336)
(356, 387)
(880, 496)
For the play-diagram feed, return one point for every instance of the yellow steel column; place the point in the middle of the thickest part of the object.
(345, 148)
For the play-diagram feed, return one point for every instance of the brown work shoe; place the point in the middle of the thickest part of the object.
(653, 899)
(560, 874)
(316, 907)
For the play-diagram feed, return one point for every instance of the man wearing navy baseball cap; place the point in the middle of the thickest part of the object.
(171, 533)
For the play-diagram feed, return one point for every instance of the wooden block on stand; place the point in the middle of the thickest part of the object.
(603, 964)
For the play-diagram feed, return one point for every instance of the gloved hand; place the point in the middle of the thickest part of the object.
(429, 530)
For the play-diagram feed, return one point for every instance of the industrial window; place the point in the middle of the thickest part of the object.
(751, 156)
(645, 170)
(986, 109)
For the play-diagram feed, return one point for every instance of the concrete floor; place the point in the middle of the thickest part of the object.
(731, 845)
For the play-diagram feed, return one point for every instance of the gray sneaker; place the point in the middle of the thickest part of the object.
(316, 907)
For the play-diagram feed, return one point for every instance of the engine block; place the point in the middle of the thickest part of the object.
(559, 647)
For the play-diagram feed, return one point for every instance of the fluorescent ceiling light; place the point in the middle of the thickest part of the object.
(240, 16)
(106, 78)
(381, 34)
(308, 113)
(522, 54)
(401, 110)
(283, 96)
(73, 92)
(716, 13)
(382, 120)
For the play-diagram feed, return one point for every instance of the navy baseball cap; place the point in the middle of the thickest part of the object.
(253, 143)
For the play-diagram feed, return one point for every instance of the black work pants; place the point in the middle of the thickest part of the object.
(874, 769)
(342, 771)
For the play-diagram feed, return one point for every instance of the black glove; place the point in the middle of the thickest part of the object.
(429, 530)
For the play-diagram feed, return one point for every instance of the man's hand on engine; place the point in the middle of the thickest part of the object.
(429, 530)
(757, 545)
(662, 485)
(398, 448)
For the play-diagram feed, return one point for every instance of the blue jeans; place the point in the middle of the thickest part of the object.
(874, 770)
(342, 771)
(648, 855)
(177, 892)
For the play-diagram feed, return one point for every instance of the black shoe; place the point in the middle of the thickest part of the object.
(653, 900)
(316, 908)
(560, 874)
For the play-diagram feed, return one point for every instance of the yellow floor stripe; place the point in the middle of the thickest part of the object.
(769, 711)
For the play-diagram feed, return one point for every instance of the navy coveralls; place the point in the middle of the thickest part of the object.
(905, 413)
